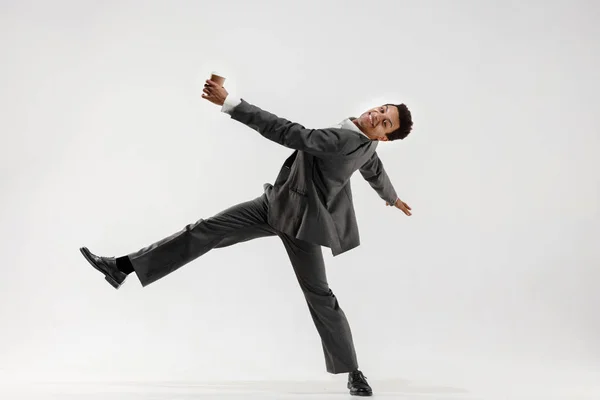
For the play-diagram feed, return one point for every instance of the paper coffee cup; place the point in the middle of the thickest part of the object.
(218, 79)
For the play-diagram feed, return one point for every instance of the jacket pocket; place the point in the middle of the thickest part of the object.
(299, 191)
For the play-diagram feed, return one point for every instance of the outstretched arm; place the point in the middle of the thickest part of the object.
(375, 174)
(327, 142)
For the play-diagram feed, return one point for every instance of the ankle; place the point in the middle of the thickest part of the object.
(124, 265)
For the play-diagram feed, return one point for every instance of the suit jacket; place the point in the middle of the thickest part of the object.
(311, 198)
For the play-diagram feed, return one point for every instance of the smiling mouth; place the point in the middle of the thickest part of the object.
(371, 119)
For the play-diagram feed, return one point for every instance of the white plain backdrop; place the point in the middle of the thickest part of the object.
(107, 143)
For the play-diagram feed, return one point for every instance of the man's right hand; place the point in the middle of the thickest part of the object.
(402, 206)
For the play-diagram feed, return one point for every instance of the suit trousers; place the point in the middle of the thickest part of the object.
(243, 222)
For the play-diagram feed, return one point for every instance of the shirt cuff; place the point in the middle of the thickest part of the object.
(230, 103)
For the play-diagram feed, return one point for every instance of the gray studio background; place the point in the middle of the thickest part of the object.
(106, 143)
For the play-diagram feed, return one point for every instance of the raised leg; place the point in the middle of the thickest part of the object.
(242, 222)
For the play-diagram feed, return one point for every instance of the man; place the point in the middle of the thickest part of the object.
(308, 206)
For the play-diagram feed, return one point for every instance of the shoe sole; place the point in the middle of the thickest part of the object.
(362, 394)
(108, 279)
(359, 393)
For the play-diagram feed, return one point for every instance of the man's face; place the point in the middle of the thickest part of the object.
(377, 122)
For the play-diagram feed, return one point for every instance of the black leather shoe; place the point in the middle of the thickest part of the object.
(358, 385)
(106, 265)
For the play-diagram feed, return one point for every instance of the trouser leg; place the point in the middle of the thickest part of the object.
(239, 223)
(329, 319)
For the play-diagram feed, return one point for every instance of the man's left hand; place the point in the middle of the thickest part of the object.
(214, 93)
(402, 206)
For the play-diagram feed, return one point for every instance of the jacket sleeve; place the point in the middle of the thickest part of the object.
(328, 142)
(375, 174)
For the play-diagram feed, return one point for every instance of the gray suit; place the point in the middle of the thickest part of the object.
(308, 206)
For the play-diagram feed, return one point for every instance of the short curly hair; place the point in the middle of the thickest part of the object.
(406, 122)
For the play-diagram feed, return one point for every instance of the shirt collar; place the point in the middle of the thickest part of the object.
(348, 124)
